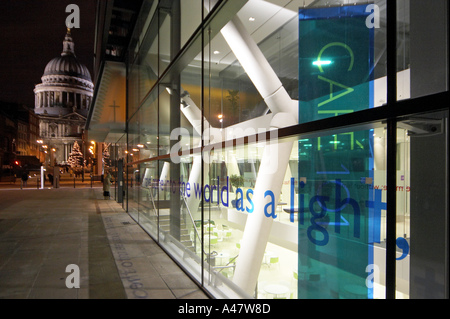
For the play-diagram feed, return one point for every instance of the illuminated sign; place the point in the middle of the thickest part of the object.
(335, 77)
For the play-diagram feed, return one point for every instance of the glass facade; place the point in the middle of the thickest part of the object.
(266, 155)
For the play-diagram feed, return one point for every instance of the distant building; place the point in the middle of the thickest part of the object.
(62, 102)
(19, 147)
(7, 142)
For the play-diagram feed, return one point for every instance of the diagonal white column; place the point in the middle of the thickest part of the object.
(275, 159)
(194, 116)
(271, 173)
(258, 68)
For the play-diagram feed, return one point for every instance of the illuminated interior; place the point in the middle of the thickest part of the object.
(251, 211)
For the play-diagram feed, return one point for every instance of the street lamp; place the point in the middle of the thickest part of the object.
(93, 156)
(40, 149)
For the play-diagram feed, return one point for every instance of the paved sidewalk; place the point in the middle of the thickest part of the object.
(44, 231)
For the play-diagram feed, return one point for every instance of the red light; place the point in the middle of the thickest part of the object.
(16, 162)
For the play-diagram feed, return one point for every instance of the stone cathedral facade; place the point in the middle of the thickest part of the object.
(62, 102)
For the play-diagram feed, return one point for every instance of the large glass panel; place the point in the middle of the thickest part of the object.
(229, 209)
(179, 116)
(340, 217)
(278, 218)
(147, 144)
(235, 107)
(251, 66)
(147, 181)
(143, 75)
(191, 18)
(143, 144)
(336, 61)
(422, 207)
(131, 170)
(143, 25)
(143, 64)
(421, 192)
(180, 227)
(111, 161)
(422, 25)
(120, 176)
(164, 36)
(141, 79)
(133, 95)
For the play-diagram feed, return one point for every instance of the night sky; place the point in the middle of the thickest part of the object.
(32, 34)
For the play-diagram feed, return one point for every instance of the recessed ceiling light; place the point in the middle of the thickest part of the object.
(251, 19)
(216, 52)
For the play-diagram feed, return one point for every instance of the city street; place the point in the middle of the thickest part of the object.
(43, 231)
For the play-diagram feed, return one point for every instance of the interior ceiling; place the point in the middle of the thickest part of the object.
(267, 16)
(271, 15)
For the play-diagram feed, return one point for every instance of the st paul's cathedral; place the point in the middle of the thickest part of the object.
(62, 103)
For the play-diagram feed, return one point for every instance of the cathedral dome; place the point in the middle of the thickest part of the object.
(66, 65)
(66, 85)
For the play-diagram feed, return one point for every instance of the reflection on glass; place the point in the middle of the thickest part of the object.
(422, 207)
(315, 225)
(339, 216)
(148, 196)
(420, 26)
(336, 49)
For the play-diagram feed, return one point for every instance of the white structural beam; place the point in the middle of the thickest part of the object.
(258, 68)
(270, 177)
(275, 158)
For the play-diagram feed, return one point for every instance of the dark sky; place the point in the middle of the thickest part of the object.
(31, 34)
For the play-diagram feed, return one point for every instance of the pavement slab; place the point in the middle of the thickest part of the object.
(43, 231)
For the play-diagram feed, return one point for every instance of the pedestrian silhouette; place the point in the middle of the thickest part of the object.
(24, 179)
(107, 186)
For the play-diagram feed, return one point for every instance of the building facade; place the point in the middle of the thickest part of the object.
(19, 147)
(7, 145)
(284, 149)
(62, 102)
